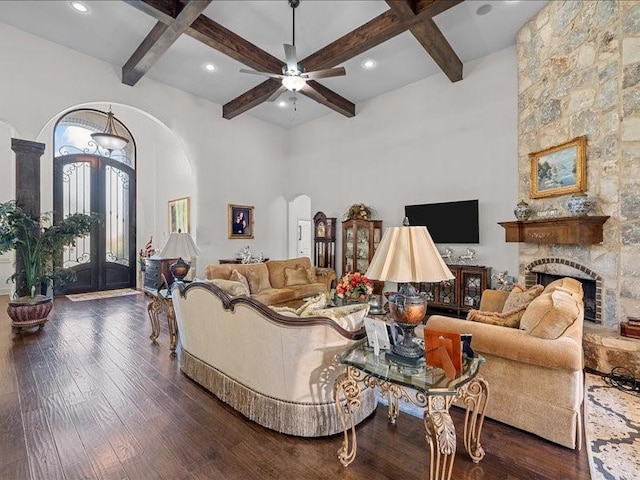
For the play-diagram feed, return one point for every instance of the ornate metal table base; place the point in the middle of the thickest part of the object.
(441, 433)
(158, 304)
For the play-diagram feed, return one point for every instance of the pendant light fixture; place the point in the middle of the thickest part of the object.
(109, 139)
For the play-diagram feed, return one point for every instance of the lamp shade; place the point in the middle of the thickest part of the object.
(408, 254)
(180, 244)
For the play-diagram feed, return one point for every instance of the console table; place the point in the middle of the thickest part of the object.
(161, 302)
(425, 387)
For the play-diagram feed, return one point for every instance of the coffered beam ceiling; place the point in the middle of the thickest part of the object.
(158, 41)
(413, 15)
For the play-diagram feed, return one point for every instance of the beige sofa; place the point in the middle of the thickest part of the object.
(278, 282)
(278, 371)
(536, 384)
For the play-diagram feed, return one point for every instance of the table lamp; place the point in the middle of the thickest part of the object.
(180, 244)
(407, 254)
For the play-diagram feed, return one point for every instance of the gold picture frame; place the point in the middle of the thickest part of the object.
(559, 170)
(179, 215)
(240, 221)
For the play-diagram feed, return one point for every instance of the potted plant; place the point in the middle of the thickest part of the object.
(38, 244)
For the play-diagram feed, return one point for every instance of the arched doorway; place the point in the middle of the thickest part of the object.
(88, 178)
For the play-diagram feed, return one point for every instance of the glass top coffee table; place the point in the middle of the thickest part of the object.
(427, 388)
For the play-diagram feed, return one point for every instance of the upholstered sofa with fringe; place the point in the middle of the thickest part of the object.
(276, 370)
(277, 282)
(534, 370)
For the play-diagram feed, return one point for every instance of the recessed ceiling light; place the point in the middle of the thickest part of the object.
(209, 67)
(79, 7)
(282, 104)
(369, 63)
(484, 9)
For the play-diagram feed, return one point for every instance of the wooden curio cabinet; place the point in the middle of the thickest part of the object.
(459, 295)
(324, 241)
(360, 238)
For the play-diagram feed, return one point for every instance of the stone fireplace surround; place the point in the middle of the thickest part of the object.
(578, 74)
(567, 268)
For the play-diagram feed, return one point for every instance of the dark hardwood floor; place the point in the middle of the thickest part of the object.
(91, 397)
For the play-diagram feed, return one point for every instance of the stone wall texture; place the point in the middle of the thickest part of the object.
(579, 74)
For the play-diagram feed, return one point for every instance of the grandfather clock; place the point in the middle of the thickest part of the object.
(324, 241)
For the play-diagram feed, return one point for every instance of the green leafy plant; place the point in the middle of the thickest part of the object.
(40, 244)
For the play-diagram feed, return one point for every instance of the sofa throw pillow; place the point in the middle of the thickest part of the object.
(520, 296)
(286, 311)
(566, 284)
(258, 280)
(508, 319)
(349, 317)
(313, 303)
(236, 276)
(549, 315)
(230, 287)
(311, 274)
(295, 276)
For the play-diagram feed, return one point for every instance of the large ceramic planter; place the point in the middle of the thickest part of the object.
(28, 312)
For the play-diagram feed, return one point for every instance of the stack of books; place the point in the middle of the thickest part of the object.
(631, 328)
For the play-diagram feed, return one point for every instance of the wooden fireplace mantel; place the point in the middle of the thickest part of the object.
(585, 230)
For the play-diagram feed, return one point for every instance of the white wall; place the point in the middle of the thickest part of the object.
(7, 182)
(239, 161)
(432, 141)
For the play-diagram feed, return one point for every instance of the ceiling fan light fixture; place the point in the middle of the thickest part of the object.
(293, 83)
(109, 139)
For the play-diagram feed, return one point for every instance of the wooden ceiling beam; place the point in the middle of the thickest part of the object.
(158, 41)
(254, 97)
(225, 41)
(329, 98)
(428, 34)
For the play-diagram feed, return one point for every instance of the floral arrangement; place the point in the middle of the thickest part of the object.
(354, 285)
(359, 211)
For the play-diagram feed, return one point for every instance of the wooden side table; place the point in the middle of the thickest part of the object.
(161, 302)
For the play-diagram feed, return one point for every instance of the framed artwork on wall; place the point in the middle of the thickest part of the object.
(559, 170)
(240, 221)
(179, 220)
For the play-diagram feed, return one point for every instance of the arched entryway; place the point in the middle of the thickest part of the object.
(88, 178)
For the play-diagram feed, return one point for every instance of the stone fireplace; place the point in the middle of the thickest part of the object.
(544, 270)
(578, 74)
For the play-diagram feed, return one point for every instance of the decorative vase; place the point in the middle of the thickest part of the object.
(580, 204)
(27, 312)
(522, 211)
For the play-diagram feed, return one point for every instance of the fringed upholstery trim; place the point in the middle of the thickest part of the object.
(300, 419)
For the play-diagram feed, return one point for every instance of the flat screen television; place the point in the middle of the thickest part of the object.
(447, 222)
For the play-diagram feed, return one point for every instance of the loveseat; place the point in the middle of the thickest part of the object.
(277, 282)
(534, 368)
(276, 370)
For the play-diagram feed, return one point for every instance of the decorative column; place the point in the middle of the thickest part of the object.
(28, 155)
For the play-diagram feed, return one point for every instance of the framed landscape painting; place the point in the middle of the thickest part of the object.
(240, 221)
(179, 220)
(559, 170)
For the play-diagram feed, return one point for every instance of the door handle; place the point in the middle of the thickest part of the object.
(299, 232)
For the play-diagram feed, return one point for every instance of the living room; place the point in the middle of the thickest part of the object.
(430, 141)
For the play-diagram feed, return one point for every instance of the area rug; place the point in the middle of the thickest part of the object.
(612, 430)
(79, 297)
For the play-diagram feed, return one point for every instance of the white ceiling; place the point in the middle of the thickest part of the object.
(112, 30)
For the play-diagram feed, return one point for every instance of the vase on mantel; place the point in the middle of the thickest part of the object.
(579, 204)
(522, 211)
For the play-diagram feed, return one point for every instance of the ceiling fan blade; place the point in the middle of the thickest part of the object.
(292, 58)
(274, 96)
(266, 74)
(330, 72)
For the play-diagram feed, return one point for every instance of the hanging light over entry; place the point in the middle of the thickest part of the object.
(109, 139)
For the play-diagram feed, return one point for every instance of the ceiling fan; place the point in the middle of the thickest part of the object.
(293, 77)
